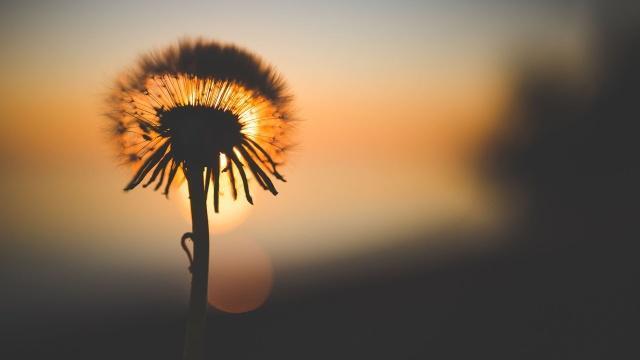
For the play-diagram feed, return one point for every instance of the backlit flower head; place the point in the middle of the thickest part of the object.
(202, 105)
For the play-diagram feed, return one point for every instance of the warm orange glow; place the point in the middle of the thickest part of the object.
(242, 275)
(234, 212)
(384, 144)
(256, 113)
(138, 112)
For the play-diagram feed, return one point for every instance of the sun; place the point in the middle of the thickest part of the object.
(235, 212)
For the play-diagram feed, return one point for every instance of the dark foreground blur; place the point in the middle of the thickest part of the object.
(566, 289)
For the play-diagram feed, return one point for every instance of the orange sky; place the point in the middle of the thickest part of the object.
(396, 102)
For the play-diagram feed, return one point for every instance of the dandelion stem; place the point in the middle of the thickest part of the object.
(196, 318)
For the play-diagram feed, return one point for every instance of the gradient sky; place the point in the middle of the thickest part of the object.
(397, 99)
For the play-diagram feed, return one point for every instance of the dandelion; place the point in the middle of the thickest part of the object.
(201, 111)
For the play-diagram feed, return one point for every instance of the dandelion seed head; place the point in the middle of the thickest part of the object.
(204, 105)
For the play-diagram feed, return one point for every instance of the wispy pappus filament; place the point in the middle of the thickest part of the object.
(142, 133)
(203, 105)
(167, 92)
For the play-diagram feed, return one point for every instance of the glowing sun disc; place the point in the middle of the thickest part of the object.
(232, 213)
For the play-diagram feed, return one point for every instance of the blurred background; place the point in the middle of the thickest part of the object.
(462, 186)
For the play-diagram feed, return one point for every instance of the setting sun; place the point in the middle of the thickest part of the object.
(235, 212)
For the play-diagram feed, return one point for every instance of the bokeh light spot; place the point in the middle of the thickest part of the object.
(241, 275)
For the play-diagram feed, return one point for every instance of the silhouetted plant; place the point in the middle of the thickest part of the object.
(197, 111)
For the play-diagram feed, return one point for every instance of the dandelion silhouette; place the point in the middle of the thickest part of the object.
(199, 111)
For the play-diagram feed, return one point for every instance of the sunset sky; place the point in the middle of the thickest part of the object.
(396, 101)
